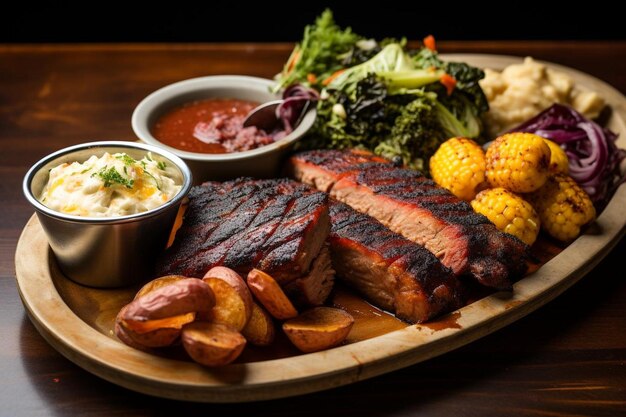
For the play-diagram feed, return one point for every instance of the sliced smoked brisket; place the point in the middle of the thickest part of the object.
(278, 226)
(415, 207)
(389, 270)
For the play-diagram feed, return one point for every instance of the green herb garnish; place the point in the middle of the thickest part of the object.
(161, 165)
(111, 176)
(154, 178)
(126, 159)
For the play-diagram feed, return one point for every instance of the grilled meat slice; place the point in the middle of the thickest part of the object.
(389, 270)
(322, 168)
(278, 226)
(313, 288)
(414, 206)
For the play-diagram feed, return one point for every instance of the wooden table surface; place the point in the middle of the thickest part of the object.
(567, 358)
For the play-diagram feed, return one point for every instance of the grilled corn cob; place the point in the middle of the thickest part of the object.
(518, 162)
(563, 207)
(509, 212)
(559, 163)
(459, 166)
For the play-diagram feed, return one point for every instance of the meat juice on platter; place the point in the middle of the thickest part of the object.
(212, 126)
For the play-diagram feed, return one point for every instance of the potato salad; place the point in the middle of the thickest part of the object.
(110, 186)
(521, 91)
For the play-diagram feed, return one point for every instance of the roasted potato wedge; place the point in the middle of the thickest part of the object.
(174, 322)
(156, 338)
(318, 328)
(270, 295)
(153, 339)
(212, 344)
(190, 295)
(126, 339)
(231, 308)
(233, 279)
(260, 330)
(157, 283)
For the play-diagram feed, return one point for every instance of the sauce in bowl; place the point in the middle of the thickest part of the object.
(211, 126)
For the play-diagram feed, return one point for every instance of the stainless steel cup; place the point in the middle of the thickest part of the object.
(113, 251)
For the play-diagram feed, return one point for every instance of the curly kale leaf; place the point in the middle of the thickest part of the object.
(354, 122)
(406, 125)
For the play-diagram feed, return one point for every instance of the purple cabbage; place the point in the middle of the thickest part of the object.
(594, 158)
(297, 100)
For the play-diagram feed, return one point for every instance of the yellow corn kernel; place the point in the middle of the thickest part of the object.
(518, 162)
(509, 212)
(459, 166)
(559, 163)
(563, 207)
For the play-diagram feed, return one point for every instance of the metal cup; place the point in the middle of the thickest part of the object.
(112, 251)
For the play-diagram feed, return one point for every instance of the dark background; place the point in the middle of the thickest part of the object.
(235, 21)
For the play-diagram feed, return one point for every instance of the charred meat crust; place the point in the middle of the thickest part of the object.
(388, 269)
(414, 206)
(278, 226)
(320, 168)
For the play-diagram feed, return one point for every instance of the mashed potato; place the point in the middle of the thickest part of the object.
(110, 186)
(521, 91)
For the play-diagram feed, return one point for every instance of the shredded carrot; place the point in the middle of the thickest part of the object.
(449, 82)
(332, 77)
(311, 78)
(429, 42)
(292, 62)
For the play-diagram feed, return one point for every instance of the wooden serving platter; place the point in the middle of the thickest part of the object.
(78, 321)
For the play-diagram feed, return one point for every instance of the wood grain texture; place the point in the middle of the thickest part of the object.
(566, 359)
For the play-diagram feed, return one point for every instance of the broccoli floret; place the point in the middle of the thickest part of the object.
(416, 133)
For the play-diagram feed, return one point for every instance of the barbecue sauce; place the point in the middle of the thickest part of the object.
(210, 126)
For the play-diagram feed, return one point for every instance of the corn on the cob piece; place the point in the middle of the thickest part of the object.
(518, 162)
(563, 207)
(459, 166)
(509, 212)
(559, 163)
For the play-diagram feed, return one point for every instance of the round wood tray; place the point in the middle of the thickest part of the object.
(77, 320)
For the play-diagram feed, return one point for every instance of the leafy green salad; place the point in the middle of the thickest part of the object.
(382, 96)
